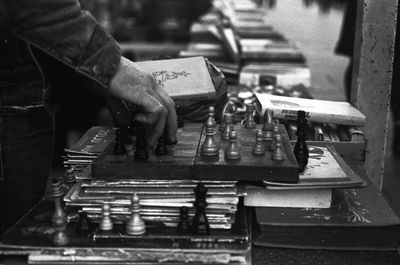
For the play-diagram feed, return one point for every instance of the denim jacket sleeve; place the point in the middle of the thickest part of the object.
(63, 30)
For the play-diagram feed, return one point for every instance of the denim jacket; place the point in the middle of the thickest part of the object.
(61, 29)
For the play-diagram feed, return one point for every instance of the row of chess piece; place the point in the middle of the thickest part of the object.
(135, 225)
(268, 134)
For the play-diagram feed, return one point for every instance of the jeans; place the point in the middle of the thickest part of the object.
(26, 134)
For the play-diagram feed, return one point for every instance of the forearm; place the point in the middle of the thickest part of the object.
(61, 29)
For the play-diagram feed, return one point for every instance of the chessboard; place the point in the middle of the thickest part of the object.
(184, 160)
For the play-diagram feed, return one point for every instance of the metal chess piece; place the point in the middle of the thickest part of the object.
(209, 146)
(200, 222)
(135, 225)
(106, 223)
(300, 149)
(183, 225)
(59, 217)
(232, 152)
(259, 147)
(278, 155)
(228, 118)
(275, 133)
(268, 124)
(250, 123)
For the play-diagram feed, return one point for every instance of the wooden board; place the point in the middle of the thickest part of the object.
(185, 162)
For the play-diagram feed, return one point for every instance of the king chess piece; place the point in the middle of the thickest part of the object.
(250, 123)
(209, 146)
(59, 216)
(106, 223)
(200, 222)
(141, 152)
(268, 125)
(301, 149)
(183, 225)
(232, 152)
(135, 225)
(228, 119)
(259, 147)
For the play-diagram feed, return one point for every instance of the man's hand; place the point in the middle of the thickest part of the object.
(156, 108)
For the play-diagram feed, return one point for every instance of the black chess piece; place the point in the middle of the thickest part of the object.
(183, 225)
(70, 176)
(84, 226)
(178, 111)
(275, 133)
(209, 146)
(161, 149)
(106, 223)
(119, 147)
(141, 152)
(200, 222)
(250, 123)
(301, 149)
(232, 152)
(59, 216)
(135, 225)
(259, 147)
(268, 124)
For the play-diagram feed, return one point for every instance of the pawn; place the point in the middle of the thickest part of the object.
(161, 149)
(141, 152)
(275, 133)
(268, 124)
(209, 146)
(135, 225)
(183, 225)
(178, 111)
(106, 223)
(259, 147)
(277, 155)
(232, 152)
(250, 123)
(60, 237)
(211, 114)
(228, 118)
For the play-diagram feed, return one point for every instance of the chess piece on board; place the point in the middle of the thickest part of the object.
(259, 147)
(69, 176)
(178, 111)
(275, 133)
(59, 216)
(119, 147)
(211, 116)
(183, 225)
(250, 123)
(106, 223)
(232, 152)
(200, 224)
(301, 149)
(141, 152)
(135, 225)
(278, 154)
(268, 124)
(161, 149)
(209, 146)
(228, 118)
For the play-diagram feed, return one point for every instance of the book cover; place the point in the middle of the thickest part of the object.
(181, 78)
(323, 111)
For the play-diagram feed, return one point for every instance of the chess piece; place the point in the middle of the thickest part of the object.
(119, 147)
(278, 155)
(211, 116)
(135, 225)
(250, 123)
(228, 118)
(59, 217)
(141, 152)
(232, 152)
(106, 223)
(200, 222)
(70, 176)
(275, 132)
(161, 149)
(268, 124)
(300, 149)
(209, 146)
(178, 111)
(183, 225)
(259, 147)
